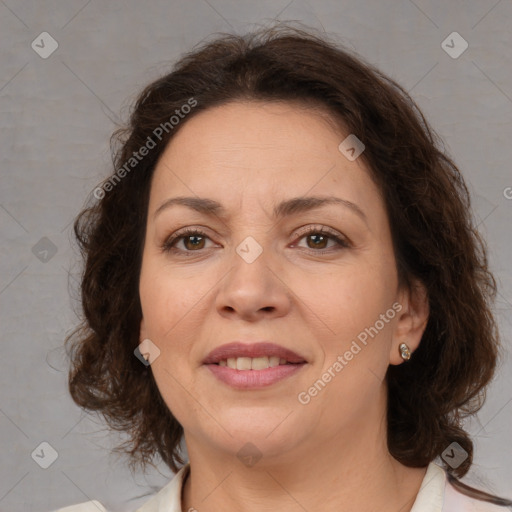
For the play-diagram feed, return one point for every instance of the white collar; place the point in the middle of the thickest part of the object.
(430, 497)
(435, 495)
(168, 499)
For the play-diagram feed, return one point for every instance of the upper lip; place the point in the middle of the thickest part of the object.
(259, 349)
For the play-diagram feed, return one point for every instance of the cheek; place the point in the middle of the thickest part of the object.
(174, 308)
(167, 298)
(355, 297)
(170, 307)
(357, 308)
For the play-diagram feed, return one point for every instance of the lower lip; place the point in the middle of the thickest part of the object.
(245, 379)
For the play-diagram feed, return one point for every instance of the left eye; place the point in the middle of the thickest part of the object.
(319, 237)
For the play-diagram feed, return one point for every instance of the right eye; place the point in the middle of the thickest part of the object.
(193, 241)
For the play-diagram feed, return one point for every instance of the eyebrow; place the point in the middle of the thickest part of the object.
(284, 209)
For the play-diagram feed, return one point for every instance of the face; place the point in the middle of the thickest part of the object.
(317, 278)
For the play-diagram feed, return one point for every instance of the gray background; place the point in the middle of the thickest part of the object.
(56, 118)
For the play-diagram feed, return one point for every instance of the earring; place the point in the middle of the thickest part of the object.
(405, 352)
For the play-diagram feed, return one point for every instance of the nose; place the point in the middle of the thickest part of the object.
(254, 288)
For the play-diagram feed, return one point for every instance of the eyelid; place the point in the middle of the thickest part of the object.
(313, 228)
(340, 239)
(169, 241)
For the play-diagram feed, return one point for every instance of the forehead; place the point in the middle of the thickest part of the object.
(238, 129)
(261, 150)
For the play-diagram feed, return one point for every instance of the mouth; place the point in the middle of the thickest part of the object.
(255, 365)
(252, 356)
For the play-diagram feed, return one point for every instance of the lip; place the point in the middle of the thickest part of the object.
(259, 349)
(253, 379)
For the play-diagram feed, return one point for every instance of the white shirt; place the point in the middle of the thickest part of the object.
(436, 494)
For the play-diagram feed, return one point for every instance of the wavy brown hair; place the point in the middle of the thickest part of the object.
(427, 203)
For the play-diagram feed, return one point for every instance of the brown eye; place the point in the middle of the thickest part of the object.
(317, 239)
(196, 241)
(193, 241)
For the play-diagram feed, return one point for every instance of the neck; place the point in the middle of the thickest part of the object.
(353, 473)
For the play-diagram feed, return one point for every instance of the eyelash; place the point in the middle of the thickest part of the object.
(169, 245)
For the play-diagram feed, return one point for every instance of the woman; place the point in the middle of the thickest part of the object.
(282, 270)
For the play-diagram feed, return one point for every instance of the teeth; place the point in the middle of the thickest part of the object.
(274, 361)
(257, 363)
(252, 363)
(243, 363)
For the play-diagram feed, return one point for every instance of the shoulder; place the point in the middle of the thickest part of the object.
(437, 494)
(168, 499)
(88, 506)
(455, 501)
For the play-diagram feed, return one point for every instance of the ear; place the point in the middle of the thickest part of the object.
(412, 320)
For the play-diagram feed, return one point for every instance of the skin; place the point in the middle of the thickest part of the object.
(330, 454)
